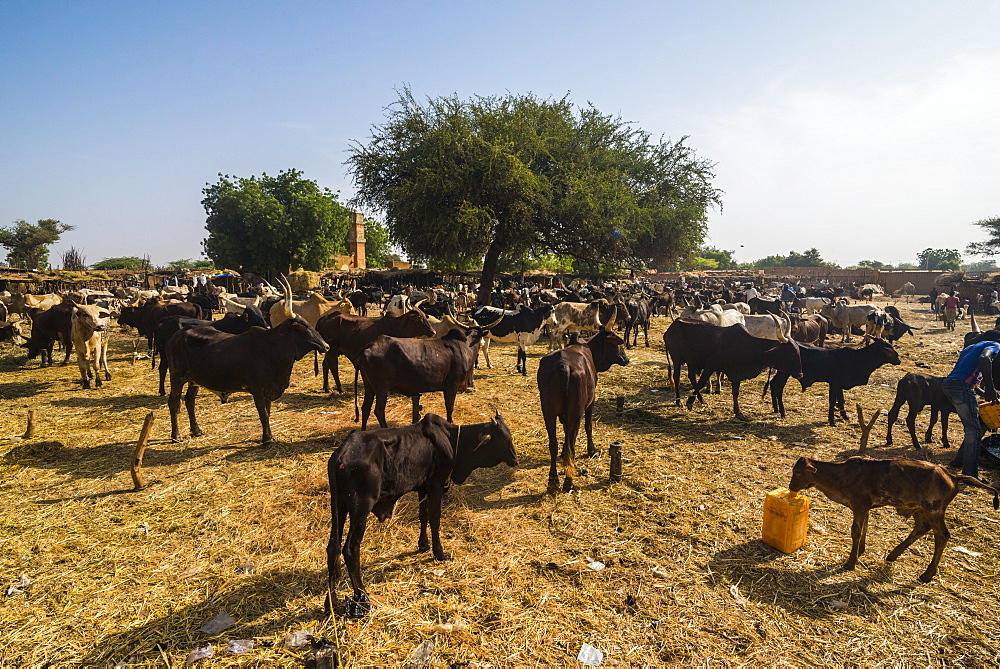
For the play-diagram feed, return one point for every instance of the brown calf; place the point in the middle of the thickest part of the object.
(916, 489)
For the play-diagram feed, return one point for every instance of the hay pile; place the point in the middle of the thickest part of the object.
(302, 280)
(227, 526)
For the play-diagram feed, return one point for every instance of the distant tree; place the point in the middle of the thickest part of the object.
(872, 264)
(939, 259)
(73, 260)
(705, 263)
(771, 261)
(723, 259)
(188, 263)
(28, 244)
(905, 265)
(991, 246)
(982, 265)
(502, 178)
(273, 224)
(129, 262)
(810, 258)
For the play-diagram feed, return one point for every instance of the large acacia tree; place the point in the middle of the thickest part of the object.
(496, 178)
(273, 224)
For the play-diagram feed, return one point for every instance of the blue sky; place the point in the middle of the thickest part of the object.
(864, 129)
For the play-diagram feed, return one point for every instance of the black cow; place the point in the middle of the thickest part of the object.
(707, 349)
(761, 305)
(522, 327)
(372, 469)
(348, 334)
(917, 391)
(567, 382)
(413, 367)
(258, 361)
(55, 323)
(231, 324)
(842, 368)
(638, 317)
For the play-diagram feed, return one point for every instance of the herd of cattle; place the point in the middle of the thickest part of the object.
(429, 341)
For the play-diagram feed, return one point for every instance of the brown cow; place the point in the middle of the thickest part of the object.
(416, 366)
(348, 334)
(567, 382)
(916, 489)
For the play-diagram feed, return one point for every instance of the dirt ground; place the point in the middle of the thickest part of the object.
(115, 577)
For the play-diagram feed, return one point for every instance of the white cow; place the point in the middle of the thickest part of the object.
(811, 305)
(88, 332)
(845, 316)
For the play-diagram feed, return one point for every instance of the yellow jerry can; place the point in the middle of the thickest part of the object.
(786, 519)
(989, 412)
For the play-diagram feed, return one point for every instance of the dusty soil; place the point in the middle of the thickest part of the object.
(115, 576)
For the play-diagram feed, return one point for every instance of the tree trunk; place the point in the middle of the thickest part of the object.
(489, 272)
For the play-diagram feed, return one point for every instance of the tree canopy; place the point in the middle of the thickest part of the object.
(991, 247)
(939, 259)
(188, 263)
(809, 258)
(125, 262)
(28, 244)
(273, 224)
(491, 178)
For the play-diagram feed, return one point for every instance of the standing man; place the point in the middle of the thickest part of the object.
(975, 365)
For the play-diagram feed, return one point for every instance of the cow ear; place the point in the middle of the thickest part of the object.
(810, 467)
(483, 440)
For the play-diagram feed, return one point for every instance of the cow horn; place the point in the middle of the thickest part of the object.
(287, 288)
(493, 324)
(781, 333)
(241, 307)
(416, 305)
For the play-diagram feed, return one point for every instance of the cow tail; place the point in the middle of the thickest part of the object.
(333, 548)
(357, 414)
(569, 465)
(971, 480)
(670, 366)
(767, 384)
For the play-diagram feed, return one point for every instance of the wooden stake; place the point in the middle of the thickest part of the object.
(140, 450)
(866, 429)
(29, 431)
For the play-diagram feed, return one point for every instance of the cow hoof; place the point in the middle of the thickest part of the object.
(442, 556)
(197, 433)
(926, 577)
(107, 376)
(553, 487)
(849, 566)
(358, 607)
(568, 486)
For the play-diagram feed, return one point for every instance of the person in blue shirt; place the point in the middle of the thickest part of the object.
(975, 365)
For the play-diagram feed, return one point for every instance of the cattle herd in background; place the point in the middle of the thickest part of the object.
(428, 340)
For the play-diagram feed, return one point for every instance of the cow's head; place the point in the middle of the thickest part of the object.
(803, 475)
(414, 323)
(91, 317)
(493, 446)
(608, 349)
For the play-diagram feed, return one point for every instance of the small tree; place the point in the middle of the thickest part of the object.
(73, 260)
(273, 224)
(28, 244)
(939, 259)
(187, 263)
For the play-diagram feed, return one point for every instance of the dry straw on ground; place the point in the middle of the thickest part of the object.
(115, 576)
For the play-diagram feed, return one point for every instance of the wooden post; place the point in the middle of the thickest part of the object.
(615, 451)
(29, 431)
(140, 450)
(866, 429)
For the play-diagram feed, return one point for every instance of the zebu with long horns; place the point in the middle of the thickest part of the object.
(258, 362)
